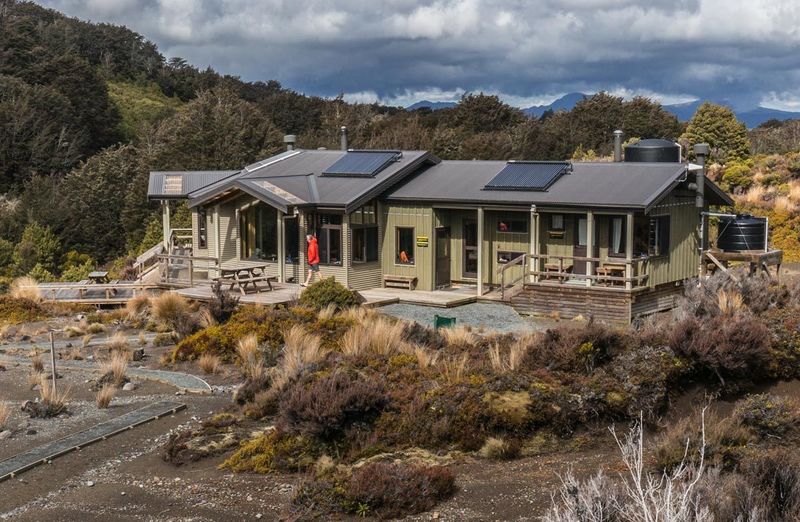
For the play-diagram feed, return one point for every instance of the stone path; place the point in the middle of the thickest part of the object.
(11, 467)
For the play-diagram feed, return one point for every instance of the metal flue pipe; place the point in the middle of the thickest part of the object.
(617, 145)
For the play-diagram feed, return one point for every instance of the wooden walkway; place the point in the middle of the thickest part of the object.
(97, 294)
(15, 465)
(438, 298)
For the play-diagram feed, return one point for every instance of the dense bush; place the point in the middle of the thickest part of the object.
(274, 451)
(328, 292)
(324, 408)
(15, 310)
(769, 415)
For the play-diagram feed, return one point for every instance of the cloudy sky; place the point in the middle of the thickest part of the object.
(527, 51)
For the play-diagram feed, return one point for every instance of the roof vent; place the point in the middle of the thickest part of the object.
(290, 140)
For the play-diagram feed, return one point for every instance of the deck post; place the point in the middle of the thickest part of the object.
(347, 255)
(534, 227)
(629, 251)
(191, 272)
(281, 246)
(165, 226)
(480, 251)
(589, 246)
(217, 246)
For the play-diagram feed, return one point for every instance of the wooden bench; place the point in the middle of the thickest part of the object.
(395, 281)
(244, 277)
(610, 270)
(557, 270)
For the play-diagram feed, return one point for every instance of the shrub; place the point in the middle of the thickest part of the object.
(223, 304)
(105, 395)
(500, 449)
(325, 407)
(769, 415)
(5, 415)
(26, 288)
(114, 370)
(164, 339)
(137, 307)
(274, 451)
(380, 336)
(52, 402)
(174, 311)
(326, 292)
(774, 477)
(567, 348)
(209, 363)
(250, 357)
(736, 346)
(16, 310)
(397, 490)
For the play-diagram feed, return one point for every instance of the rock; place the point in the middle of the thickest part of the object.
(129, 386)
(436, 515)
(25, 338)
(90, 357)
(259, 515)
(5, 434)
(90, 483)
(122, 493)
(180, 392)
(69, 345)
(30, 432)
(138, 355)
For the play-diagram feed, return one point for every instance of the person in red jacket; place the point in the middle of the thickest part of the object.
(313, 259)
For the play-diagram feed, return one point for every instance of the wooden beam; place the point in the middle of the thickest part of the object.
(628, 249)
(480, 251)
(589, 246)
(165, 225)
(281, 247)
(722, 267)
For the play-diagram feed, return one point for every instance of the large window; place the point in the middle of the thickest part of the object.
(616, 236)
(292, 240)
(404, 246)
(364, 226)
(258, 225)
(658, 237)
(328, 229)
(202, 228)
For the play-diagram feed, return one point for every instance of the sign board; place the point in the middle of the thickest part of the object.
(422, 241)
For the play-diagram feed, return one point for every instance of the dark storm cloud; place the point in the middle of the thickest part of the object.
(745, 51)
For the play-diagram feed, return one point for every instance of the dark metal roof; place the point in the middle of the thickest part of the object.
(362, 163)
(179, 184)
(617, 185)
(296, 179)
(528, 175)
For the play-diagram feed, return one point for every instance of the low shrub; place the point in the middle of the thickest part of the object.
(174, 311)
(103, 397)
(567, 348)
(216, 435)
(327, 406)
(328, 292)
(274, 451)
(500, 449)
(209, 363)
(16, 310)
(769, 415)
(224, 303)
(5, 415)
(164, 339)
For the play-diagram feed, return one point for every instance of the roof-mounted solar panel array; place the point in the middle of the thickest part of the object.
(535, 176)
(362, 163)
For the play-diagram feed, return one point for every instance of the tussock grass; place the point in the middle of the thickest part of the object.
(54, 399)
(116, 366)
(794, 191)
(74, 331)
(301, 350)
(460, 335)
(425, 358)
(95, 328)
(103, 397)
(784, 204)
(496, 448)
(38, 363)
(327, 312)
(453, 369)
(118, 342)
(174, 311)
(209, 363)
(206, 318)
(137, 307)
(729, 302)
(250, 357)
(5, 415)
(379, 336)
(25, 288)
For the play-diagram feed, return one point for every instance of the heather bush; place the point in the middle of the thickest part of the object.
(16, 310)
(769, 415)
(570, 348)
(328, 292)
(274, 451)
(327, 406)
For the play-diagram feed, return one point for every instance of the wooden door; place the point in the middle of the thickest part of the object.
(442, 254)
(470, 260)
(579, 246)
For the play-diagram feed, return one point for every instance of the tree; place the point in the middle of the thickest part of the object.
(216, 130)
(717, 125)
(38, 246)
(484, 113)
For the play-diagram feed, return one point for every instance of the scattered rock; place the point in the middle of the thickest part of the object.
(25, 338)
(90, 357)
(30, 432)
(138, 355)
(180, 392)
(90, 483)
(129, 386)
(5, 434)
(436, 515)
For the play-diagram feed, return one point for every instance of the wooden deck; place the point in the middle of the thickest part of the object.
(439, 298)
(96, 294)
(283, 293)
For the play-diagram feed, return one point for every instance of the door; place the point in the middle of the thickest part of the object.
(580, 243)
(470, 265)
(442, 267)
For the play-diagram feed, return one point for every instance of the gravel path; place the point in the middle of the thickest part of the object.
(486, 316)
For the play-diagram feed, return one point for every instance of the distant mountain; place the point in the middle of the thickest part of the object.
(434, 106)
(684, 111)
(565, 103)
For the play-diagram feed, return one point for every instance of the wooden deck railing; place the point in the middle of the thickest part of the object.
(635, 270)
(517, 261)
(49, 291)
(180, 263)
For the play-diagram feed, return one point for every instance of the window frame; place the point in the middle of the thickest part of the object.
(552, 227)
(510, 229)
(660, 245)
(365, 224)
(326, 229)
(623, 237)
(244, 239)
(413, 259)
(202, 228)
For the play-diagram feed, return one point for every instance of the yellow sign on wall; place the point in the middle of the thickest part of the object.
(422, 241)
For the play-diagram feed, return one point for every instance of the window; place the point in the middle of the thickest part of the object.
(404, 246)
(328, 229)
(258, 225)
(557, 222)
(616, 236)
(514, 226)
(202, 228)
(364, 225)
(292, 239)
(658, 242)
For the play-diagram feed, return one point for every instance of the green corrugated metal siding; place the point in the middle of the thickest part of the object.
(684, 256)
(363, 276)
(421, 218)
(496, 241)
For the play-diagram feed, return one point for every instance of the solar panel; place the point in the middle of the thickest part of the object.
(362, 163)
(528, 175)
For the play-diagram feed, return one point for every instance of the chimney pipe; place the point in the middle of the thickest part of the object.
(344, 138)
(289, 140)
(701, 151)
(617, 145)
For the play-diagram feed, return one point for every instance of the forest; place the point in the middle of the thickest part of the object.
(88, 109)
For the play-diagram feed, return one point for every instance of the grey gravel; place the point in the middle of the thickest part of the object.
(480, 316)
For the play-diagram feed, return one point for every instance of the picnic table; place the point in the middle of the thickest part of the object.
(610, 270)
(243, 277)
(98, 277)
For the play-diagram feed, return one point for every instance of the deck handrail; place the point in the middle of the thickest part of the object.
(165, 259)
(519, 260)
(109, 289)
(562, 274)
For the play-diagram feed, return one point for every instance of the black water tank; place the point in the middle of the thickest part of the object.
(741, 233)
(653, 151)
